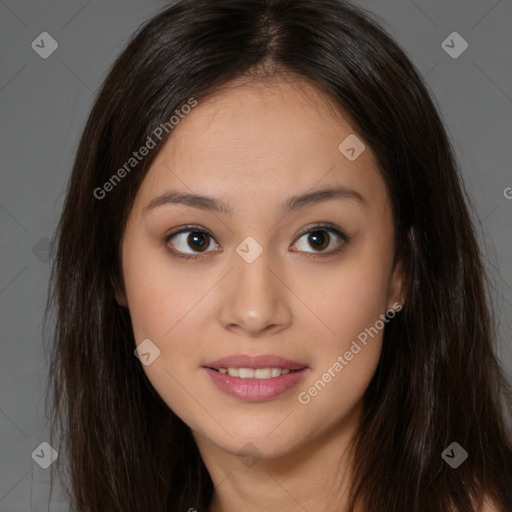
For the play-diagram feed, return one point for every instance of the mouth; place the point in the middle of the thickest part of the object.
(245, 362)
(254, 373)
(255, 378)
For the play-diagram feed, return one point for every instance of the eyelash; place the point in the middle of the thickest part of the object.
(328, 227)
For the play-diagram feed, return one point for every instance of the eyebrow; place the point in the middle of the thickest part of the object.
(291, 204)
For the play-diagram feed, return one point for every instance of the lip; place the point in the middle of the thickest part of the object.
(259, 361)
(255, 390)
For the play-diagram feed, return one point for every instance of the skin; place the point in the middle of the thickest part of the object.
(253, 145)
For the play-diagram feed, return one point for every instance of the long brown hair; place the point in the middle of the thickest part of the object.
(438, 379)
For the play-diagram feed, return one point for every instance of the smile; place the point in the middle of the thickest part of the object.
(255, 373)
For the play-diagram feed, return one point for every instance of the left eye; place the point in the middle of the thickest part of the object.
(319, 239)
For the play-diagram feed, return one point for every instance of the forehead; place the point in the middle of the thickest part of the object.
(267, 138)
(250, 118)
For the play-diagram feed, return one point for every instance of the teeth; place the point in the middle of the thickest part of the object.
(251, 373)
(234, 372)
(263, 373)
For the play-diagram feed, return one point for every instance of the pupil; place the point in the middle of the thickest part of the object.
(198, 239)
(318, 239)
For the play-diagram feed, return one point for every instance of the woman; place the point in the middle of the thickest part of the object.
(268, 288)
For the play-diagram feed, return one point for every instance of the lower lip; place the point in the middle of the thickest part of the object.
(255, 390)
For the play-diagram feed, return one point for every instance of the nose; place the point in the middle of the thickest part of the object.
(254, 297)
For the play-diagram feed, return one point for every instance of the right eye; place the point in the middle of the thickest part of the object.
(191, 237)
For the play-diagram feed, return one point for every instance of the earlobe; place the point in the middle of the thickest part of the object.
(121, 300)
(119, 294)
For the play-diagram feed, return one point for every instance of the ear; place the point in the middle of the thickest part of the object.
(399, 278)
(119, 292)
(121, 299)
(397, 286)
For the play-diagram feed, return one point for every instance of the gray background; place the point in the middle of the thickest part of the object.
(44, 104)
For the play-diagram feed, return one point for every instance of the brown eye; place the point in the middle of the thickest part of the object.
(189, 242)
(197, 240)
(321, 238)
(318, 239)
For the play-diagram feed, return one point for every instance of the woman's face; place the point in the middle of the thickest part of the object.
(268, 279)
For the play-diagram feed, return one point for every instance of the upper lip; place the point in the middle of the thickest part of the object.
(259, 361)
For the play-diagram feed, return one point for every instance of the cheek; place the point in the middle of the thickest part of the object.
(165, 307)
(347, 299)
(162, 299)
(347, 354)
(350, 303)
